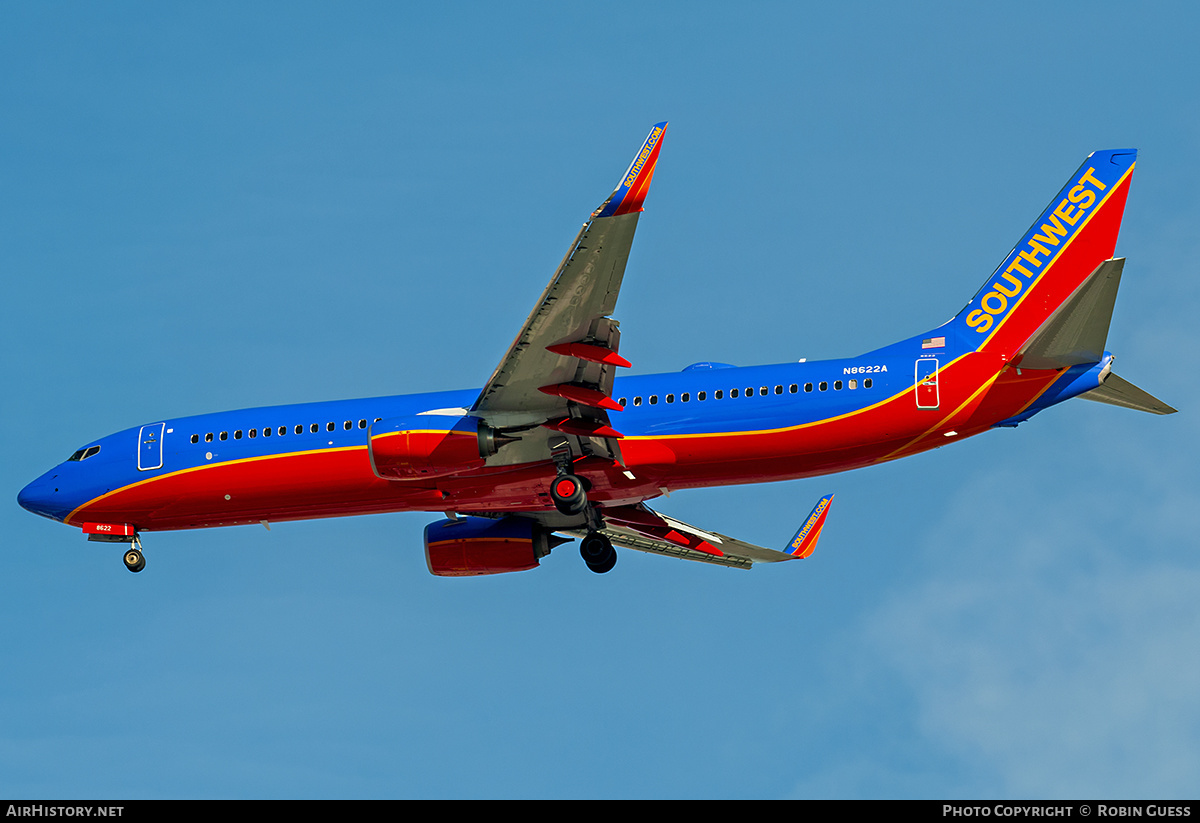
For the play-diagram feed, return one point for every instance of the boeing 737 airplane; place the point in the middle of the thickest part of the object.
(555, 444)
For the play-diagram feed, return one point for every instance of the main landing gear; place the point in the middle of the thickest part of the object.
(570, 497)
(598, 552)
(569, 493)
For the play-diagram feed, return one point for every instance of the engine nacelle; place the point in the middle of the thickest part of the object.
(478, 545)
(429, 445)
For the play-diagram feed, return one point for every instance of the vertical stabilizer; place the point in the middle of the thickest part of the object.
(1074, 235)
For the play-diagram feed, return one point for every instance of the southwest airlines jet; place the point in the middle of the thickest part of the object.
(556, 444)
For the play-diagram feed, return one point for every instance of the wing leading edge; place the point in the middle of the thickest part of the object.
(557, 376)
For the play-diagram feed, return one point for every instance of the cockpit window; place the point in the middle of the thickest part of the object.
(84, 454)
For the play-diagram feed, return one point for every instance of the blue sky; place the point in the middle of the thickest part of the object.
(219, 207)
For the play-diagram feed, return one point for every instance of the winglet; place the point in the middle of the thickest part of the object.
(805, 541)
(631, 193)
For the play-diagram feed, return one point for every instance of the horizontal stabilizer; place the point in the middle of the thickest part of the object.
(1076, 332)
(1119, 392)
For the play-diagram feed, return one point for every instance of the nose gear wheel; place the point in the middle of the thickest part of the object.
(135, 561)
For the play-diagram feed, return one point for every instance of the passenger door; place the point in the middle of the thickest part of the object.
(150, 452)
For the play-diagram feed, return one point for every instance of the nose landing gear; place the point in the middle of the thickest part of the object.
(134, 560)
(126, 533)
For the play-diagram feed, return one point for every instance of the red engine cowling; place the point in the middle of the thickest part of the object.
(426, 445)
(472, 546)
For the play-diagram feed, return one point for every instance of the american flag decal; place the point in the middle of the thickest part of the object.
(933, 343)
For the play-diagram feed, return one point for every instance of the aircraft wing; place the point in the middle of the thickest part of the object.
(559, 371)
(639, 527)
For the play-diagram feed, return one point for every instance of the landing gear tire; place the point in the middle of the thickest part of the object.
(568, 493)
(598, 552)
(134, 561)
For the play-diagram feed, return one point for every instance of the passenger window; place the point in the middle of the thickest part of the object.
(779, 389)
(718, 394)
(266, 431)
(853, 384)
(282, 431)
(237, 435)
(670, 398)
(224, 435)
(823, 386)
(253, 433)
(622, 401)
(793, 388)
(637, 401)
(329, 426)
(701, 395)
(314, 428)
(362, 424)
(733, 392)
(837, 385)
(685, 397)
(867, 383)
(195, 438)
(654, 400)
(208, 437)
(808, 386)
(348, 425)
(763, 391)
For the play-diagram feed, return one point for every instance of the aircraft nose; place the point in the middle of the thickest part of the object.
(43, 497)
